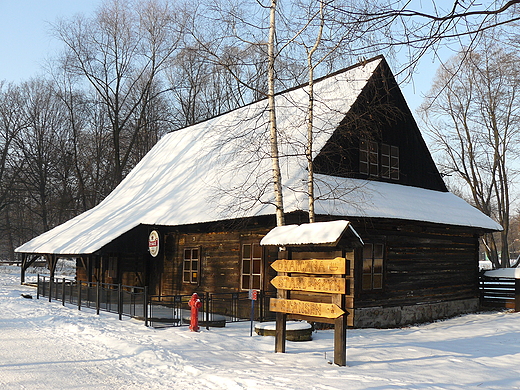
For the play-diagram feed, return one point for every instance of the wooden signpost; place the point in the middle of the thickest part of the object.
(325, 285)
(325, 277)
(335, 266)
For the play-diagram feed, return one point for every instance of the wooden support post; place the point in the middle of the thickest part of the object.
(22, 268)
(145, 305)
(79, 294)
(52, 260)
(340, 330)
(120, 301)
(281, 318)
(340, 340)
(281, 331)
(63, 292)
(98, 297)
(51, 280)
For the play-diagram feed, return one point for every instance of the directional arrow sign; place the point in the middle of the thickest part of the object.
(303, 283)
(332, 267)
(313, 309)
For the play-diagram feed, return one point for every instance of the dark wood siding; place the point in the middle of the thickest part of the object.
(424, 263)
(380, 114)
(220, 258)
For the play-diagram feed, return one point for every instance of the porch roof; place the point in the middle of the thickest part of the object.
(318, 233)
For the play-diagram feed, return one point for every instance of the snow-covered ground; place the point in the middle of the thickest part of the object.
(47, 346)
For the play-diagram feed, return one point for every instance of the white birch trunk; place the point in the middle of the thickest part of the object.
(275, 160)
(310, 120)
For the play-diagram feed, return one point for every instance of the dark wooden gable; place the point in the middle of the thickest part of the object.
(380, 115)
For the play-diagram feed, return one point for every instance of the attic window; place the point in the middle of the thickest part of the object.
(379, 160)
(389, 162)
(368, 158)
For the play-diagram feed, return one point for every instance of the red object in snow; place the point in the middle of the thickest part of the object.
(195, 305)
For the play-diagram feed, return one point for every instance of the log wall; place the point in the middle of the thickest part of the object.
(220, 260)
(423, 263)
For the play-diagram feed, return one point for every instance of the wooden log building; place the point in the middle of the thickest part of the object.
(190, 216)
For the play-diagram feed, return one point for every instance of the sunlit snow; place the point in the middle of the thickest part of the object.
(50, 346)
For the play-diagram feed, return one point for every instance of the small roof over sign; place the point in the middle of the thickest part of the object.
(317, 233)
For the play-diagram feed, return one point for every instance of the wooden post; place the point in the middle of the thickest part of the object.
(79, 294)
(120, 301)
(281, 331)
(22, 268)
(63, 292)
(50, 288)
(89, 287)
(145, 305)
(98, 297)
(340, 340)
(281, 318)
(52, 260)
(340, 330)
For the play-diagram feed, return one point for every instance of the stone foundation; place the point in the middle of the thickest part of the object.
(390, 317)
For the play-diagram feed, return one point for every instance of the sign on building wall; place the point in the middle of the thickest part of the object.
(153, 243)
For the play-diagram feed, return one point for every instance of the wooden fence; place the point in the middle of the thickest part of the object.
(500, 292)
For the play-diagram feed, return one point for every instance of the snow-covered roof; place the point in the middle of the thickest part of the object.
(308, 234)
(220, 169)
(367, 198)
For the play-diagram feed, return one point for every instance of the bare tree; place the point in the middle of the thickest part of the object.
(42, 147)
(12, 122)
(120, 52)
(473, 117)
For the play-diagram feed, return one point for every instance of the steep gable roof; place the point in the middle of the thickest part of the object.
(381, 115)
(220, 169)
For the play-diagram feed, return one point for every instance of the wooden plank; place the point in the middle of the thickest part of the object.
(313, 309)
(303, 283)
(281, 332)
(340, 340)
(314, 266)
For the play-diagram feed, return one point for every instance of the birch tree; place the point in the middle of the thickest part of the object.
(273, 132)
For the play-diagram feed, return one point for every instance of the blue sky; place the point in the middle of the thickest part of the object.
(26, 43)
(25, 38)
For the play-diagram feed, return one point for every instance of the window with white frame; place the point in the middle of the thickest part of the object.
(379, 160)
(373, 256)
(251, 270)
(389, 162)
(369, 158)
(191, 265)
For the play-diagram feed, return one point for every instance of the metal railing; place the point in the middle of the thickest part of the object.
(123, 300)
(217, 309)
(156, 310)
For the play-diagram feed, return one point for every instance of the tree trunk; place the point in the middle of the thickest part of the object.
(275, 158)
